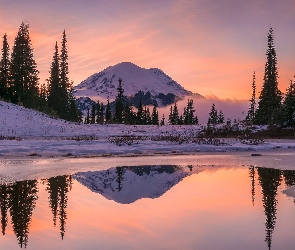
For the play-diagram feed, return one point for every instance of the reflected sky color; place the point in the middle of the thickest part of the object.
(209, 210)
(209, 47)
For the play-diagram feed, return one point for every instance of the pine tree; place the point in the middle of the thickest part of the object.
(87, 119)
(64, 83)
(213, 117)
(54, 83)
(289, 105)
(139, 114)
(93, 113)
(24, 73)
(43, 104)
(108, 112)
(5, 76)
(252, 108)
(175, 115)
(189, 112)
(99, 114)
(119, 104)
(128, 114)
(170, 118)
(74, 114)
(220, 117)
(155, 115)
(163, 120)
(270, 96)
(101, 117)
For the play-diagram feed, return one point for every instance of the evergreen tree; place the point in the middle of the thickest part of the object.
(196, 120)
(213, 117)
(119, 104)
(5, 76)
(175, 115)
(289, 105)
(101, 117)
(87, 118)
(54, 84)
(24, 73)
(139, 114)
(163, 120)
(189, 112)
(270, 96)
(170, 118)
(252, 108)
(99, 113)
(128, 114)
(64, 82)
(108, 112)
(74, 114)
(93, 113)
(155, 115)
(43, 104)
(220, 117)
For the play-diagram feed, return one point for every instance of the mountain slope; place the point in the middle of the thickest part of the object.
(104, 84)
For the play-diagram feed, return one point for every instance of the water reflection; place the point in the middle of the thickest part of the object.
(126, 185)
(58, 188)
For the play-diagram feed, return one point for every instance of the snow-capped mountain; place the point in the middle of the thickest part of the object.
(128, 184)
(103, 85)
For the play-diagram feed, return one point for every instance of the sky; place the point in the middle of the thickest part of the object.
(209, 47)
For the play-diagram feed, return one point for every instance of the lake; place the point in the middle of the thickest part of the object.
(181, 206)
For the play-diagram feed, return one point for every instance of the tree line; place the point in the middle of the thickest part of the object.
(19, 81)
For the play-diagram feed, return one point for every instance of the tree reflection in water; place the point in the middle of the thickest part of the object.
(58, 187)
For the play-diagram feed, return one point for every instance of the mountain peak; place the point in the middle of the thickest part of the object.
(103, 85)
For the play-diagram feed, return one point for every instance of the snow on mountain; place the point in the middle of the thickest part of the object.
(128, 184)
(104, 84)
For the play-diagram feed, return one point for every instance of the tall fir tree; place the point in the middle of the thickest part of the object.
(54, 83)
(108, 114)
(119, 104)
(213, 116)
(175, 115)
(289, 105)
(252, 107)
(270, 97)
(64, 83)
(155, 115)
(24, 73)
(93, 113)
(43, 98)
(189, 112)
(139, 114)
(220, 117)
(5, 76)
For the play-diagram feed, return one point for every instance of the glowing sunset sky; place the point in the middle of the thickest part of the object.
(209, 47)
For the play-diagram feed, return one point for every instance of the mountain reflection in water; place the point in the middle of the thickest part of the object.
(124, 185)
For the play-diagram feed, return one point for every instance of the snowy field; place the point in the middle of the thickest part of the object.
(27, 133)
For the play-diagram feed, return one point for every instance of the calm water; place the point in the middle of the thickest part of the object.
(151, 207)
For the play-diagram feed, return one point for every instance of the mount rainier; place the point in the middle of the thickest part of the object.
(152, 84)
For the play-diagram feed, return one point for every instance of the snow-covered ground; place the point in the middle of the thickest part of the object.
(27, 133)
